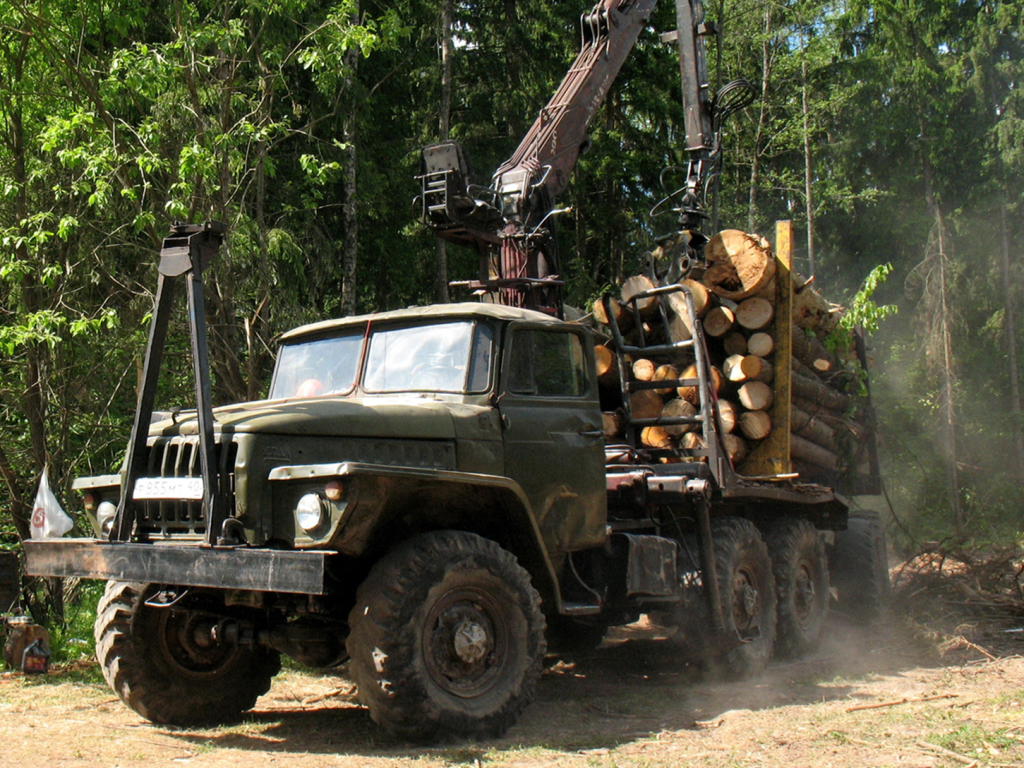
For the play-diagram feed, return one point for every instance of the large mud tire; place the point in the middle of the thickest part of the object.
(800, 567)
(747, 589)
(150, 660)
(447, 638)
(860, 568)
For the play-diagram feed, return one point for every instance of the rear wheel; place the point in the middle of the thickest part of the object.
(860, 568)
(447, 638)
(747, 590)
(166, 663)
(800, 567)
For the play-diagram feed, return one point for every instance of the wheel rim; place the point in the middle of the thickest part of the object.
(187, 642)
(744, 600)
(804, 594)
(466, 638)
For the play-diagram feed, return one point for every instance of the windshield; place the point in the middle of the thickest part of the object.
(450, 357)
(323, 367)
(429, 358)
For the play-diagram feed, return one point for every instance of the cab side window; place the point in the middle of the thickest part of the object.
(547, 364)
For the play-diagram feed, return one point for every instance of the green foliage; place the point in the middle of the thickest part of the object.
(862, 311)
(258, 114)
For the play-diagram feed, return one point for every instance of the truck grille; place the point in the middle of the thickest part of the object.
(179, 457)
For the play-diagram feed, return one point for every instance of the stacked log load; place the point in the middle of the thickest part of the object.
(736, 300)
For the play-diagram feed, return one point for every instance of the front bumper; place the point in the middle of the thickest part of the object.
(261, 570)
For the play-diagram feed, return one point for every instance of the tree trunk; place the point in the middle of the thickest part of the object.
(440, 251)
(942, 343)
(762, 119)
(350, 246)
(1011, 346)
(808, 170)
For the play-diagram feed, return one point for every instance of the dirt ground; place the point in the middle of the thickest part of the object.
(885, 696)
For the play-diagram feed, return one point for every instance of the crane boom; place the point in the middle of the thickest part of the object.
(510, 223)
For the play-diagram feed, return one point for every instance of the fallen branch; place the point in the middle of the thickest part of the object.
(345, 690)
(894, 702)
(970, 761)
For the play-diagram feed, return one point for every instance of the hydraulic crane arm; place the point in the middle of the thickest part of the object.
(511, 222)
(547, 154)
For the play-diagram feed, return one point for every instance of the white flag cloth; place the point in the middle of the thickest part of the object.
(49, 521)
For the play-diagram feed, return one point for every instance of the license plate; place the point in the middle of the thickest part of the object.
(177, 488)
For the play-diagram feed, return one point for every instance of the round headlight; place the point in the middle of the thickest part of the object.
(105, 515)
(309, 512)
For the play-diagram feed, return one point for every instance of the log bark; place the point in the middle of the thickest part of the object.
(830, 416)
(760, 344)
(805, 450)
(739, 265)
(755, 425)
(719, 321)
(755, 313)
(756, 396)
(701, 298)
(814, 429)
(677, 407)
(812, 353)
(636, 285)
(679, 329)
(817, 392)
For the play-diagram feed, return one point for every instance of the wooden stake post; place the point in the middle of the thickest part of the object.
(772, 456)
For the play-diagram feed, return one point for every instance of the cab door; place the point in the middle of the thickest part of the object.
(552, 432)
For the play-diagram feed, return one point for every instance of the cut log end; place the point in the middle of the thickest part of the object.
(756, 396)
(739, 264)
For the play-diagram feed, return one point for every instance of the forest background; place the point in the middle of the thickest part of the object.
(891, 132)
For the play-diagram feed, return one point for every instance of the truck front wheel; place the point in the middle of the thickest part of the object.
(447, 638)
(166, 663)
